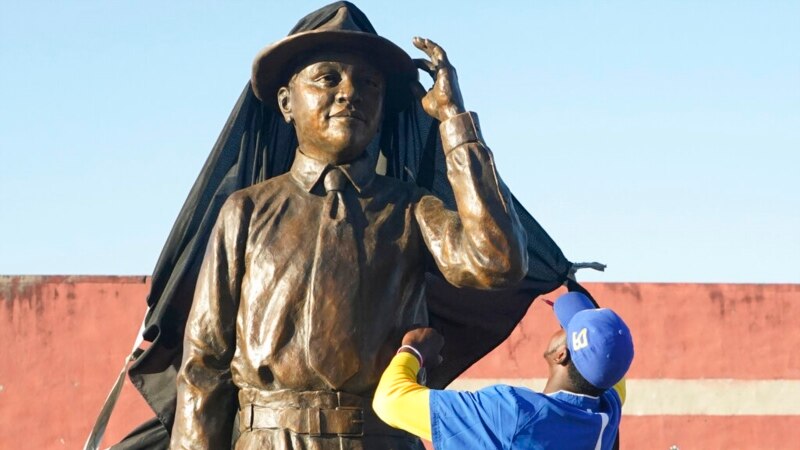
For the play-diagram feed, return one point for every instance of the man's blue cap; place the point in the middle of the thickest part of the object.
(599, 342)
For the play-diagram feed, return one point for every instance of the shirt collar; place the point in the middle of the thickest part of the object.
(309, 171)
(580, 400)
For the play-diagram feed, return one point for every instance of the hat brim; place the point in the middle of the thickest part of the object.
(569, 304)
(273, 64)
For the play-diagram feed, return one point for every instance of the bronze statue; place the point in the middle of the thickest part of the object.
(311, 278)
(255, 145)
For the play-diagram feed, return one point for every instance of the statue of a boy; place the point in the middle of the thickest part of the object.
(311, 278)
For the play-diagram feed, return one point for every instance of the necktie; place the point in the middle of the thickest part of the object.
(332, 336)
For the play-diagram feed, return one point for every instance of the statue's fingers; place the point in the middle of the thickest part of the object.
(425, 65)
(437, 53)
(424, 44)
(420, 43)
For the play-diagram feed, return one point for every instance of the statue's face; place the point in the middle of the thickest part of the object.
(335, 101)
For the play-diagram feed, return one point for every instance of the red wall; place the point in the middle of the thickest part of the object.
(683, 331)
(65, 339)
(69, 337)
(696, 334)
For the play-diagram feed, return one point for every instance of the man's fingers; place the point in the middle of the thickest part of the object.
(415, 326)
(423, 334)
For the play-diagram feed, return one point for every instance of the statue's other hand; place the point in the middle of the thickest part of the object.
(428, 342)
(443, 100)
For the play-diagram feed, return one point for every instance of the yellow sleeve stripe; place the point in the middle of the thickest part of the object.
(621, 390)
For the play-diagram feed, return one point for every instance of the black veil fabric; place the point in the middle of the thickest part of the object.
(255, 145)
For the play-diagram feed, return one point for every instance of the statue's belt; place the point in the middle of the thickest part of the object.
(317, 413)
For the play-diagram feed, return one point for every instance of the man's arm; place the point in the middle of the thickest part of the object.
(483, 245)
(206, 395)
(399, 400)
(480, 419)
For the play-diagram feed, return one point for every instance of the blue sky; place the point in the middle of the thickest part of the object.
(661, 138)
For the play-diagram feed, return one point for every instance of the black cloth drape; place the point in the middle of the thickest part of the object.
(256, 144)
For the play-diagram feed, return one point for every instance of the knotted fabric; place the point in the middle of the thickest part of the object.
(335, 282)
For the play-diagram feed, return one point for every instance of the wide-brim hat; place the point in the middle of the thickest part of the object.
(339, 26)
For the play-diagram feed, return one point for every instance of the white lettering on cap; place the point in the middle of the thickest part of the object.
(580, 339)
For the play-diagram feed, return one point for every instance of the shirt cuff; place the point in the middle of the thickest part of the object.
(407, 360)
(459, 130)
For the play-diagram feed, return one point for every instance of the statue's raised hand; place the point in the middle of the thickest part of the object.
(443, 100)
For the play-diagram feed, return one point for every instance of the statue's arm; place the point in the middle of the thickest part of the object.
(483, 244)
(206, 395)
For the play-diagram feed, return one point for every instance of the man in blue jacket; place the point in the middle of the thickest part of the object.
(580, 407)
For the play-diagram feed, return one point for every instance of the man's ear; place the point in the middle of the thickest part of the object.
(285, 103)
(561, 355)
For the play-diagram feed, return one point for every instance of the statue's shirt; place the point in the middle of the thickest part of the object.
(248, 327)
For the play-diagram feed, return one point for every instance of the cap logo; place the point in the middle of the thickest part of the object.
(580, 339)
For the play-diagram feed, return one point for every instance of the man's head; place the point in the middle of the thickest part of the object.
(340, 40)
(593, 350)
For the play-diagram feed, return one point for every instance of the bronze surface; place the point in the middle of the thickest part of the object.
(252, 322)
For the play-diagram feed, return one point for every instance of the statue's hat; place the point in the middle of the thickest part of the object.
(340, 26)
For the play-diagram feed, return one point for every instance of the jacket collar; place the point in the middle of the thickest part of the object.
(580, 400)
(308, 171)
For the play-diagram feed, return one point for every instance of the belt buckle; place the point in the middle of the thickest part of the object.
(359, 421)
